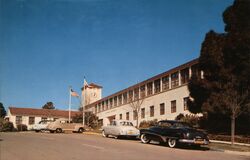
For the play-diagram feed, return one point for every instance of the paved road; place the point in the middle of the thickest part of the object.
(45, 146)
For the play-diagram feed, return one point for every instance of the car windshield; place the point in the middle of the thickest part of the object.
(126, 124)
(181, 125)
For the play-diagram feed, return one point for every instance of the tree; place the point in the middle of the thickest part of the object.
(91, 120)
(136, 107)
(2, 111)
(225, 60)
(48, 105)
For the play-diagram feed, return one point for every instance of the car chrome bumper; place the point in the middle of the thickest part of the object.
(193, 141)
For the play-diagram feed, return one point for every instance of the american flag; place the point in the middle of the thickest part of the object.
(73, 93)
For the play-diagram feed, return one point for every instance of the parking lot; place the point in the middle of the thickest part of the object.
(40, 146)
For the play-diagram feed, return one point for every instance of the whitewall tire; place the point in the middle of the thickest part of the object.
(172, 143)
(144, 138)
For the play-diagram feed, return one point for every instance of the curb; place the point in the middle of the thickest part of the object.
(92, 133)
(237, 153)
(226, 142)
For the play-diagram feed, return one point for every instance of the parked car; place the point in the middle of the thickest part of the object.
(42, 125)
(120, 128)
(61, 125)
(173, 133)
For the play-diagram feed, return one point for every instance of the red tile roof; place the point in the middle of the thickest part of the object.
(42, 112)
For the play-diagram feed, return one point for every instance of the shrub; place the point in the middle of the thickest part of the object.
(22, 127)
(146, 124)
(191, 119)
(6, 126)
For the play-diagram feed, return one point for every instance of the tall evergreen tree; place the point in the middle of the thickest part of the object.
(48, 105)
(225, 60)
(2, 110)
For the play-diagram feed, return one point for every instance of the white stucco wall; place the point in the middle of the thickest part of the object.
(164, 97)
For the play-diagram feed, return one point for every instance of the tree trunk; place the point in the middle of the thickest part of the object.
(232, 129)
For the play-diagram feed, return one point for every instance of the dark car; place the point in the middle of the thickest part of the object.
(173, 133)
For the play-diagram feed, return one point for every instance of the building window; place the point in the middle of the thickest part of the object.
(130, 95)
(134, 115)
(184, 76)
(115, 101)
(162, 108)
(136, 91)
(120, 116)
(44, 119)
(174, 79)
(31, 120)
(149, 88)
(195, 71)
(157, 85)
(103, 108)
(120, 100)
(152, 111)
(107, 104)
(185, 106)
(165, 83)
(143, 113)
(125, 98)
(173, 106)
(111, 102)
(127, 116)
(142, 91)
(96, 108)
(18, 119)
(99, 107)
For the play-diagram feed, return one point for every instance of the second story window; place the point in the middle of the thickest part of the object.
(174, 79)
(120, 116)
(157, 85)
(142, 91)
(184, 76)
(125, 98)
(149, 88)
(136, 91)
(107, 104)
(103, 107)
(130, 95)
(115, 101)
(120, 100)
(111, 102)
(165, 83)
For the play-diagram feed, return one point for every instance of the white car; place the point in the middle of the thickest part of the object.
(42, 125)
(120, 128)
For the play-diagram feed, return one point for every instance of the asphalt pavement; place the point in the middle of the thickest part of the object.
(46, 146)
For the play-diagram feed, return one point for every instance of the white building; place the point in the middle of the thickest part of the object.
(31, 116)
(164, 97)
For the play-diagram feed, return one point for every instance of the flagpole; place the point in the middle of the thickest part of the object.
(69, 103)
(83, 105)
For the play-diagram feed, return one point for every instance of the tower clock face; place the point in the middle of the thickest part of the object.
(94, 95)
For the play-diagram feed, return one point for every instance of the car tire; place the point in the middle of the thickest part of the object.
(37, 131)
(58, 130)
(80, 130)
(144, 138)
(172, 143)
(104, 134)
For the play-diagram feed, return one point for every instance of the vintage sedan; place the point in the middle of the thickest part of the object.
(173, 133)
(120, 128)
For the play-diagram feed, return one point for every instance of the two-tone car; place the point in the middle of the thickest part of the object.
(62, 125)
(120, 128)
(173, 133)
(41, 126)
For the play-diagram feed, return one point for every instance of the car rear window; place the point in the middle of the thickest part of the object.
(126, 124)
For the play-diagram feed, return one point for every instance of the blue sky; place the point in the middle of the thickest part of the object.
(47, 45)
